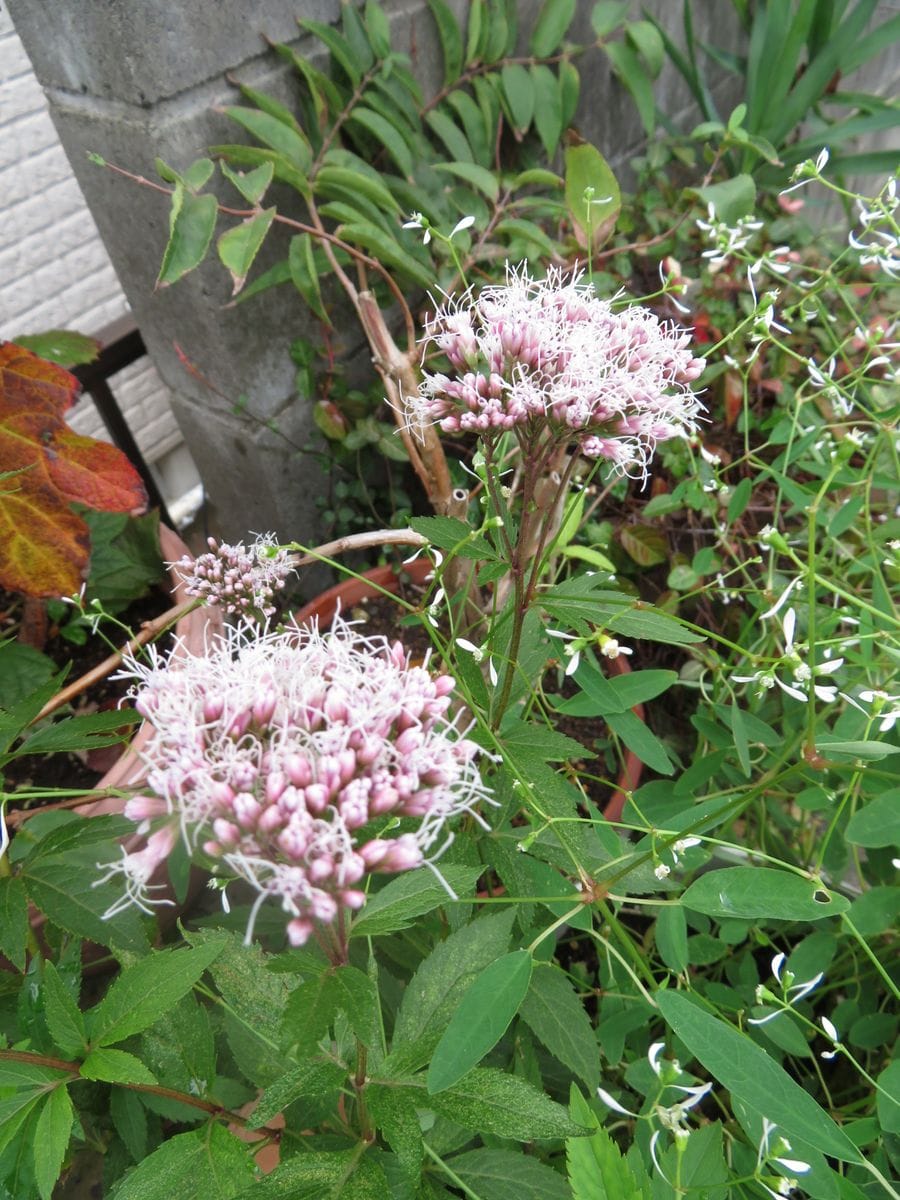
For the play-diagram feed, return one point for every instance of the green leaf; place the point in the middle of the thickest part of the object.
(654, 625)
(491, 1101)
(129, 1116)
(341, 50)
(288, 141)
(754, 1077)
(451, 534)
(630, 72)
(251, 184)
(386, 135)
(551, 26)
(379, 28)
(645, 744)
(383, 247)
(596, 1169)
(309, 1080)
(450, 37)
(731, 199)
(551, 745)
(740, 498)
(316, 1175)
(868, 751)
(192, 222)
(608, 15)
(888, 1098)
(518, 88)
(210, 1163)
(74, 834)
(762, 892)
(65, 1020)
(126, 560)
(645, 38)
(409, 896)
(395, 1115)
(145, 991)
(434, 991)
(239, 246)
(51, 1140)
(347, 180)
(310, 1010)
(557, 1018)
(616, 694)
(13, 920)
(116, 1066)
(65, 890)
(481, 1019)
(81, 733)
(450, 135)
(507, 1175)
(741, 741)
(305, 276)
(671, 938)
(257, 156)
(355, 995)
(548, 111)
(62, 346)
(485, 181)
(22, 669)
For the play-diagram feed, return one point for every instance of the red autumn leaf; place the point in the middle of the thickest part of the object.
(44, 466)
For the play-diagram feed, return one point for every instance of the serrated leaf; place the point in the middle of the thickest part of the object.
(507, 1175)
(65, 891)
(551, 26)
(451, 534)
(64, 347)
(317, 1175)
(115, 1066)
(652, 624)
(65, 1020)
(396, 1117)
(450, 38)
(81, 733)
(310, 1010)
(482, 1016)
(43, 544)
(593, 216)
(753, 893)
(130, 1120)
(239, 246)
(146, 990)
(54, 1126)
(492, 1101)
(310, 1079)
(597, 1171)
(252, 185)
(208, 1162)
(434, 991)
(13, 920)
(192, 222)
(558, 1019)
(22, 668)
(126, 560)
(409, 896)
(754, 1077)
(356, 996)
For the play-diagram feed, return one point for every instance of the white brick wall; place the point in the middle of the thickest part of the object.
(54, 270)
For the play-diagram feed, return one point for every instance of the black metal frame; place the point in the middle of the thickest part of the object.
(122, 345)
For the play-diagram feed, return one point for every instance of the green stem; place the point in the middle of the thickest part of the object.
(450, 1173)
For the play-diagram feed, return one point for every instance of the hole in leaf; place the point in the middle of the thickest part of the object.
(821, 897)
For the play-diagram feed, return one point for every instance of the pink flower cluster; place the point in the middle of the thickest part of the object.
(301, 762)
(536, 355)
(242, 579)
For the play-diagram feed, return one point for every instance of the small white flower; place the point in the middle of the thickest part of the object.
(653, 1056)
(477, 652)
(465, 223)
(612, 1103)
(661, 871)
(418, 220)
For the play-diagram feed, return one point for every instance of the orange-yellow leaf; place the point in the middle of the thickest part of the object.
(44, 466)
